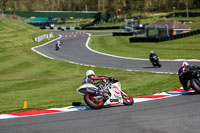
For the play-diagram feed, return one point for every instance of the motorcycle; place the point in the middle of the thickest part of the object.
(195, 81)
(155, 61)
(104, 94)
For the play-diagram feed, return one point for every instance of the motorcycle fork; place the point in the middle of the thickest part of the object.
(124, 95)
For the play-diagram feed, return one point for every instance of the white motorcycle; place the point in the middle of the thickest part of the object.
(104, 93)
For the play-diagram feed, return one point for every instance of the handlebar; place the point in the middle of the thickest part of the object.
(112, 80)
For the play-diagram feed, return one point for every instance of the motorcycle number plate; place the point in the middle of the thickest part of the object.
(114, 100)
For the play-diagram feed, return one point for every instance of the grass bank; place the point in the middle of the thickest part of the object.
(186, 48)
(45, 83)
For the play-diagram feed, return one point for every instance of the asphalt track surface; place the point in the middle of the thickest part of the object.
(74, 50)
(171, 115)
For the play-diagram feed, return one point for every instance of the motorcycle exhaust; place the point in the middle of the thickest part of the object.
(91, 91)
(94, 92)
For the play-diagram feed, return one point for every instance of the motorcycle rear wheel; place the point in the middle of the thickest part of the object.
(127, 99)
(90, 102)
(195, 85)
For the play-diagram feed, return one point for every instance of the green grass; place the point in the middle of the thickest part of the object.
(186, 48)
(45, 83)
(176, 49)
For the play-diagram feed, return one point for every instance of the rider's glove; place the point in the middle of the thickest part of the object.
(111, 79)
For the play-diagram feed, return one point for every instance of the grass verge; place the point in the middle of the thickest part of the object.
(186, 48)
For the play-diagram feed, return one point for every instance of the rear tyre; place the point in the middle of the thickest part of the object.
(127, 99)
(89, 100)
(195, 85)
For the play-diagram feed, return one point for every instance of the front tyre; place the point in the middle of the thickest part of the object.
(127, 99)
(92, 101)
(159, 65)
(195, 85)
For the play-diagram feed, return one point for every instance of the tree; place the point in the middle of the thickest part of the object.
(3, 6)
(187, 5)
(108, 6)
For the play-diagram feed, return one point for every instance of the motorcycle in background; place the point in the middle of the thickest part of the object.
(195, 81)
(155, 61)
(58, 45)
(104, 93)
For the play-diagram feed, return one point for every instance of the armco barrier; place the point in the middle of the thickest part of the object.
(161, 39)
(128, 33)
(42, 37)
(101, 28)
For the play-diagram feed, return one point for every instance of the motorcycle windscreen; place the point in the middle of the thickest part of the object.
(81, 90)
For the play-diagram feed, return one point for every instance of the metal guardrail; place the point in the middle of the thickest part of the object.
(42, 37)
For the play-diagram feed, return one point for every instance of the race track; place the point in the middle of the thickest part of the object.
(171, 115)
(75, 50)
(179, 114)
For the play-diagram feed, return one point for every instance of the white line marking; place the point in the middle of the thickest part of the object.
(34, 48)
(80, 108)
(122, 57)
(87, 42)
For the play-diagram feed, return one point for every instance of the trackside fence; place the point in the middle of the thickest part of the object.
(42, 37)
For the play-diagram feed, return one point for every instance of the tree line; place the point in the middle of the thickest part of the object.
(106, 6)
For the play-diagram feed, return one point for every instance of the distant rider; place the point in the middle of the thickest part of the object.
(185, 73)
(152, 55)
(58, 45)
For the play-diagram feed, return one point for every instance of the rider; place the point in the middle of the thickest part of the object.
(185, 73)
(152, 54)
(90, 77)
(58, 44)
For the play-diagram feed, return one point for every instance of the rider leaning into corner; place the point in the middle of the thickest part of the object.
(152, 54)
(90, 78)
(185, 73)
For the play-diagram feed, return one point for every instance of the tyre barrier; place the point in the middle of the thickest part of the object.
(128, 33)
(61, 28)
(122, 33)
(101, 28)
(161, 39)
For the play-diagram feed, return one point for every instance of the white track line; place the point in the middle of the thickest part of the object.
(34, 48)
(80, 108)
(131, 57)
(87, 42)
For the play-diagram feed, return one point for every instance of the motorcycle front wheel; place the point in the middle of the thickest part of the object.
(57, 48)
(92, 101)
(195, 85)
(159, 65)
(127, 99)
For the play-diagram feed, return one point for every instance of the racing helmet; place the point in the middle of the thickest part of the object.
(151, 52)
(185, 64)
(58, 42)
(90, 72)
